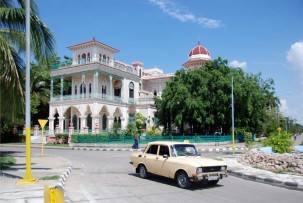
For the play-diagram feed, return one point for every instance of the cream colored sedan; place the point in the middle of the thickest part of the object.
(179, 161)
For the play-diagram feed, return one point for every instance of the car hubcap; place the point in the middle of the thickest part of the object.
(182, 179)
(142, 171)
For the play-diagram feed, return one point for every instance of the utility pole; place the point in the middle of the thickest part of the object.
(232, 112)
(28, 178)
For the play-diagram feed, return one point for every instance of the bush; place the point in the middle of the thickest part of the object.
(62, 138)
(11, 138)
(248, 139)
(89, 138)
(280, 142)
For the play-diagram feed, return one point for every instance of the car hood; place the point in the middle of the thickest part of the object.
(200, 161)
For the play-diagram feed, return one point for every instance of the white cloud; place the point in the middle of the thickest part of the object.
(291, 112)
(295, 56)
(238, 64)
(171, 8)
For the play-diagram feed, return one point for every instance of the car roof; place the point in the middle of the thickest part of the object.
(167, 142)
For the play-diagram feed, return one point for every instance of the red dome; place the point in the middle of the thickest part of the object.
(198, 50)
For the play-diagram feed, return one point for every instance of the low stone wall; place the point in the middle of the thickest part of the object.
(290, 163)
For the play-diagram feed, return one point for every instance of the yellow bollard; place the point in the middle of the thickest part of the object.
(53, 195)
(28, 178)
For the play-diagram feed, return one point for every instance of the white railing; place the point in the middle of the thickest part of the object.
(111, 63)
(142, 100)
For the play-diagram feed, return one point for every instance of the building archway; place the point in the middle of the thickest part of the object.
(103, 122)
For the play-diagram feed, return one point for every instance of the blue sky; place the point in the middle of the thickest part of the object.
(261, 36)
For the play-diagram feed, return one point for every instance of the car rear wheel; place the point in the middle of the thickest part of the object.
(212, 182)
(142, 171)
(183, 180)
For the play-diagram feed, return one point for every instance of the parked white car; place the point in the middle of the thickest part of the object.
(179, 161)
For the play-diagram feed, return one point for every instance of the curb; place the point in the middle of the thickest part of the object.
(270, 181)
(63, 178)
(60, 184)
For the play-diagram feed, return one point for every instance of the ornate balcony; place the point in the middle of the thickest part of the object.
(102, 97)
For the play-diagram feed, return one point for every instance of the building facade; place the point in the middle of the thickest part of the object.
(104, 91)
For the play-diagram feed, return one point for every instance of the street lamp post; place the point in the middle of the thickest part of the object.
(28, 178)
(232, 112)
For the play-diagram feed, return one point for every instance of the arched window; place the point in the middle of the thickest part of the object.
(81, 88)
(84, 89)
(75, 89)
(155, 92)
(104, 59)
(119, 121)
(140, 72)
(88, 57)
(90, 88)
(131, 90)
(100, 57)
(103, 91)
(75, 122)
(83, 58)
(104, 122)
(117, 88)
(89, 121)
(79, 59)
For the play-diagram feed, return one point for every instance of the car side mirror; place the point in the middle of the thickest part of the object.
(165, 156)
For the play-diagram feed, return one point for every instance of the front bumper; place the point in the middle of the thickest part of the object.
(208, 177)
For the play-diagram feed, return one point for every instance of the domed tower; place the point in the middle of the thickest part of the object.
(197, 57)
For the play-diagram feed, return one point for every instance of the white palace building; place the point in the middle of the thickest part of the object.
(105, 90)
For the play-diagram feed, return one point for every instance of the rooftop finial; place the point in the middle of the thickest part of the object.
(198, 39)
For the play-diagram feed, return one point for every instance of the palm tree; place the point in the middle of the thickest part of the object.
(12, 49)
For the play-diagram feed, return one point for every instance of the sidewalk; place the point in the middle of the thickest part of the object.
(41, 167)
(53, 165)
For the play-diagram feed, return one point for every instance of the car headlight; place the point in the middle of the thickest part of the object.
(223, 168)
(199, 170)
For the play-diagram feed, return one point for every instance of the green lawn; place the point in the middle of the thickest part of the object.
(6, 161)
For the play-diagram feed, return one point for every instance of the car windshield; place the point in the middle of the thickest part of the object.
(185, 150)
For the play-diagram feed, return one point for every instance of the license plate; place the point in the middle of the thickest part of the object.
(213, 177)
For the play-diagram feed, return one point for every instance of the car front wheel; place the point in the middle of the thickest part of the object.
(142, 171)
(183, 180)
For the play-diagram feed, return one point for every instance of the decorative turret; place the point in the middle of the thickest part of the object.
(197, 57)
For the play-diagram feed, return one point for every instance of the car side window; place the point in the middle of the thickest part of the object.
(153, 149)
(164, 150)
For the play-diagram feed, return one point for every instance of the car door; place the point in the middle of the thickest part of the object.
(150, 158)
(162, 163)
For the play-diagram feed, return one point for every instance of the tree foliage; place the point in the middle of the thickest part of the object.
(12, 51)
(200, 100)
(280, 142)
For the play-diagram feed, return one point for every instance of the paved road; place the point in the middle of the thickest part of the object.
(105, 176)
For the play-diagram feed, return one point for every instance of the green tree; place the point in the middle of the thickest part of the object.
(201, 99)
(139, 121)
(12, 43)
(131, 129)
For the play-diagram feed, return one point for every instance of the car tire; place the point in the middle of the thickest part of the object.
(183, 181)
(142, 171)
(212, 182)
